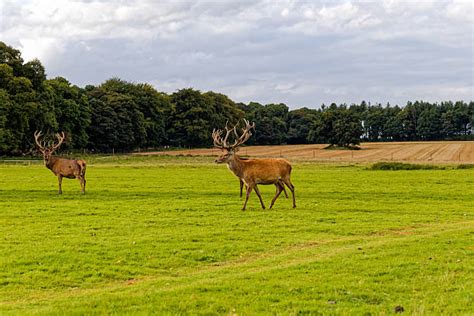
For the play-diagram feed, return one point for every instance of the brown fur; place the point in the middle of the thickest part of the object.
(252, 172)
(67, 168)
(61, 167)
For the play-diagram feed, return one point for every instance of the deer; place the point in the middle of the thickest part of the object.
(252, 171)
(61, 167)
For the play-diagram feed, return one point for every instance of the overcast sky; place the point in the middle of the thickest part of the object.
(301, 53)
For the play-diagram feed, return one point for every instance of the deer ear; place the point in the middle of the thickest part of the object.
(236, 149)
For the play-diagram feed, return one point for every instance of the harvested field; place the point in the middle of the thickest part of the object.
(425, 152)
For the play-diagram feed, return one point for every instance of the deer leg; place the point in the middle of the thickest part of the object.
(241, 186)
(82, 180)
(282, 185)
(249, 189)
(259, 196)
(279, 188)
(292, 189)
(60, 182)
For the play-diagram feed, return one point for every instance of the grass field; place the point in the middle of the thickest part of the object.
(166, 236)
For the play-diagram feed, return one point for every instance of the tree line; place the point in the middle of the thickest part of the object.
(122, 116)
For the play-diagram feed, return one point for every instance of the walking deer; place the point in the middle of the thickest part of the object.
(67, 168)
(252, 172)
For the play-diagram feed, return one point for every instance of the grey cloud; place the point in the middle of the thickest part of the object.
(297, 52)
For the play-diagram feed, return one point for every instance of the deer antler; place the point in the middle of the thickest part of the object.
(40, 145)
(60, 138)
(245, 134)
(239, 140)
(216, 136)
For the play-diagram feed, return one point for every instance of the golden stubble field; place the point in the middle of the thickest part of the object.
(422, 152)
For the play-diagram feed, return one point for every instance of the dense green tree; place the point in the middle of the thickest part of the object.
(156, 108)
(34, 71)
(104, 122)
(299, 124)
(11, 57)
(194, 115)
(409, 119)
(429, 123)
(448, 124)
(6, 76)
(72, 111)
(462, 117)
(116, 121)
(5, 133)
(23, 91)
(270, 121)
(190, 120)
(347, 130)
(393, 127)
(124, 116)
(224, 110)
(337, 126)
(24, 104)
(374, 123)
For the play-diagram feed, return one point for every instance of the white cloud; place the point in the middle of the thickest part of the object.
(41, 48)
(461, 11)
(338, 18)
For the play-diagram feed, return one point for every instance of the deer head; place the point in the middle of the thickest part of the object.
(48, 148)
(230, 149)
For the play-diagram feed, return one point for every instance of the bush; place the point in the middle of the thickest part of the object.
(465, 166)
(403, 166)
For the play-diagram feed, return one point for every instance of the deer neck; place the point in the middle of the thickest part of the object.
(236, 166)
(49, 163)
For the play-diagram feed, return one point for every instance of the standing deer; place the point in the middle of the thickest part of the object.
(68, 168)
(252, 172)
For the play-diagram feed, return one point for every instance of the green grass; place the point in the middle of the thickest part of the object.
(166, 236)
